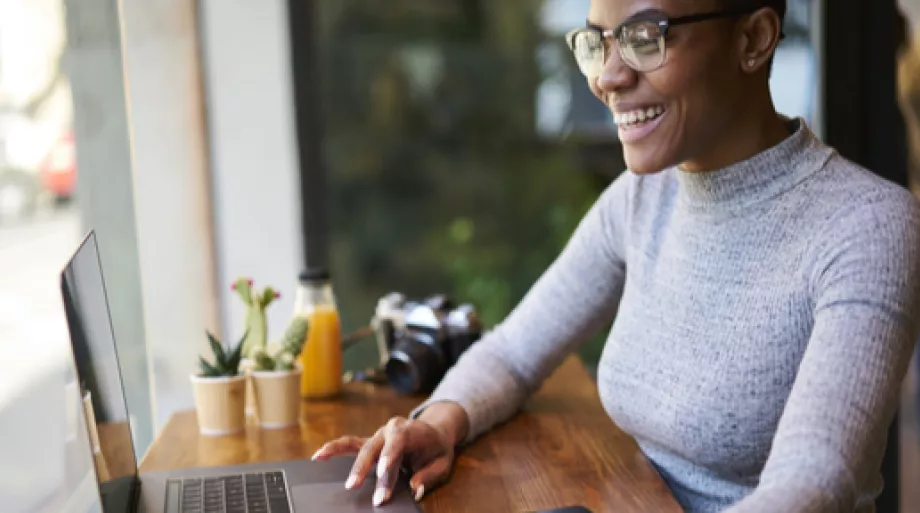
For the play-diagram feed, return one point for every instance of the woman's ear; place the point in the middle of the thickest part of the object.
(760, 33)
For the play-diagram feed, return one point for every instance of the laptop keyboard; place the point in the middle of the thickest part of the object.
(255, 492)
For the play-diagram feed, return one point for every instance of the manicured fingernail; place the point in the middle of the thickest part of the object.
(382, 466)
(379, 496)
(419, 492)
(351, 481)
(316, 454)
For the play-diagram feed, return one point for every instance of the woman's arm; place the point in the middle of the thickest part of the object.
(573, 299)
(832, 434)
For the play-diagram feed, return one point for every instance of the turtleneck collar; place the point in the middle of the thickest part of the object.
(763, 176)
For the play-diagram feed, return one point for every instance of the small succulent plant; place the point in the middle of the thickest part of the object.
(291, 344)
(256, 302)
(295, 335)
(226, 360)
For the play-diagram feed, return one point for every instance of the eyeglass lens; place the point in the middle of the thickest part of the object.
(640, 45)
(590, 53)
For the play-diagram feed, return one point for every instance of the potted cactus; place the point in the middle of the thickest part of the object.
(276, 378)
(220, 390)
(256, 302)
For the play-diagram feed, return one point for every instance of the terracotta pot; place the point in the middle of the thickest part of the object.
(220, 403)
(277, 397)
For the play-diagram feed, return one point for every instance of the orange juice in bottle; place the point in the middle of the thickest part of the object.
(321, 356)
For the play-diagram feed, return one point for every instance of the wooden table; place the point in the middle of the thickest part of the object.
(562, 449)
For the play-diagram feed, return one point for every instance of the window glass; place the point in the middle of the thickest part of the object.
(463, 147)
(64, 168)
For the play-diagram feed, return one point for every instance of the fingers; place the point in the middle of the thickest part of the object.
(338, 447)
(365, 460)
(391, 456)
(383, 454)
(430, 476)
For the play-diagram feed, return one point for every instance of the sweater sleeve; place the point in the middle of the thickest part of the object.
(571, 301)
(832, 434)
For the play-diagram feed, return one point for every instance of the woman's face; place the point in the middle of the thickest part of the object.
(698, 91)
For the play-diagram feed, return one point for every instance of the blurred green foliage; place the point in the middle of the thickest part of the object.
(439, 181)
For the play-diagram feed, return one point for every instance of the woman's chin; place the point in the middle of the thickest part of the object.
(643, 162)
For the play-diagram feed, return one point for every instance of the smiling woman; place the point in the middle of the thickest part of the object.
(762, 288)
(698, 64)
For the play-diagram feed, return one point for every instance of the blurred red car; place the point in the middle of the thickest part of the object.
(59, 169)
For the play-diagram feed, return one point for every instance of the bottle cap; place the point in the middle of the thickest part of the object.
(314, 274)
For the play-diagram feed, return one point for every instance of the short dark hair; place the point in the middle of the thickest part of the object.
(777, 5)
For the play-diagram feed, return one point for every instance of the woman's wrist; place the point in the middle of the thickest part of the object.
(447, 418)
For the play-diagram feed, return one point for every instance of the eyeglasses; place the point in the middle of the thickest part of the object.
(640, 40)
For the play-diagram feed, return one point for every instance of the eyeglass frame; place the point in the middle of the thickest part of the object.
(664, 24)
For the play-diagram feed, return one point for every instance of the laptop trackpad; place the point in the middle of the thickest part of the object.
(334, 498)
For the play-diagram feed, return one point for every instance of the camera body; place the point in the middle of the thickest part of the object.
(420, 340)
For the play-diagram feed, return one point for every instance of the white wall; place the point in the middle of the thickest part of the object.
(253, 152)
(214, 171)
(171, 192)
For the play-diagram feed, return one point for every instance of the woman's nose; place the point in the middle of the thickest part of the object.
(616, 75)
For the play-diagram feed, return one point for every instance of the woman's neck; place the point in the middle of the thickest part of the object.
(762, 128)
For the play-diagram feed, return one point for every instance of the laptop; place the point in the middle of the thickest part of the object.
(298, 486)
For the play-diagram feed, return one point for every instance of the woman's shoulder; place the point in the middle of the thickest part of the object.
(865, 221)
(848, 190)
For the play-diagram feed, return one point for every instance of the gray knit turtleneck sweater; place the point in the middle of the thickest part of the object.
(764, 315)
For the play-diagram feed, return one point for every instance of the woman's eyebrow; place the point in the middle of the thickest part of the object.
(644, 13)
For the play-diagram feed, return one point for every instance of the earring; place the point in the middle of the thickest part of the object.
(751, 63)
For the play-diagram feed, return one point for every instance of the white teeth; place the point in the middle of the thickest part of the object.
(638, 116)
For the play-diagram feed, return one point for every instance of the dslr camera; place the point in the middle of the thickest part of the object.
(420, 340)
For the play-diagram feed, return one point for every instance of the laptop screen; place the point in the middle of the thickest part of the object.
(99, 376)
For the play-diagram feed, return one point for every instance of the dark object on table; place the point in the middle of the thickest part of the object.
(422, 340)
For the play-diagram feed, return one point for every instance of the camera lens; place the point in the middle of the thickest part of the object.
(416, 364)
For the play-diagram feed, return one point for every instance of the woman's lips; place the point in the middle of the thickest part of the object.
(636, 123)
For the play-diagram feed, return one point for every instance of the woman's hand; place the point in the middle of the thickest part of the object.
(425, 447)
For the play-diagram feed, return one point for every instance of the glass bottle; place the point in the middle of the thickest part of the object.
(321, 356)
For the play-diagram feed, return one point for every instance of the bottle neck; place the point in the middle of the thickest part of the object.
(315, 295)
